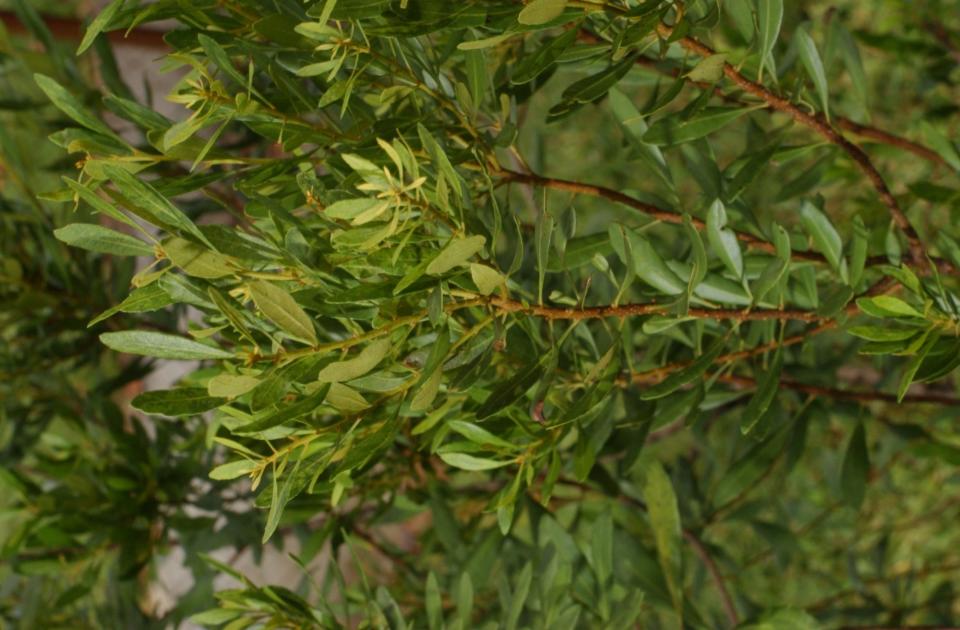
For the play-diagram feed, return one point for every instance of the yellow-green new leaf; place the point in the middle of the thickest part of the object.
(231, 385)
(346, 398)
(280, 308)
(350, 369)
(457, 252)
(541, 11)
(196, 260)
(487, 280)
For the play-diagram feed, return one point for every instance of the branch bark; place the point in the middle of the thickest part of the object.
(824, 129)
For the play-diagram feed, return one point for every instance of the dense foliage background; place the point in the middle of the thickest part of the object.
(548, 314)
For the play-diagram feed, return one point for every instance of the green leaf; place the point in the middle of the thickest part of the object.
(784, 619)
(350, 208)
(591, 88)
(767, 388)
(96, 238)
(709, 69)
(521, 591)
(145, 196)
(856, 468)
(699, 271)
(231, 385)
(196, 260)
(182, 401)
(851, 61)
(280, 308)
(673, 130)
(69, 105)
(161, 345)
(769, 17)
(814, 66)
(723, 242)
(825, 237)
(941, 144)
(350, 369)
(877, 333)
(602, 547)
(680, 378)
(346, 399)
(215, 616)
(887, 306)
(142, 300)
(664, 518)
(858, 250)
(234, 469)
(487, 280)
(457, 252)
(647, 263)
(511, 390)
(541, 11)
(433, 603)
(469, 462)
(478, 434)
(534, 64)
(99, 23)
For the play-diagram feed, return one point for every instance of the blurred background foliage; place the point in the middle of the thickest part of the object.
(842, 515)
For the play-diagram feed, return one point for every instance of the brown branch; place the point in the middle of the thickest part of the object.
(73, 29)
(824, 129)
(672, 216)
(656, 212)
(865, 131)
(701, 550)
(632, 310)
(843, 394)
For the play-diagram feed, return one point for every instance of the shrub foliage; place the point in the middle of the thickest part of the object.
(642, 306)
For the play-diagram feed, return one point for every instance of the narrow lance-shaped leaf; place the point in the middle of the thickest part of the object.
(814, 67)
(723, 242)
(97, 238)
(647, 263)
(457, 252)
(69, 105)
(541, 11)
(769, 17)
(665, 521)
(767, 388)
(680, 378)
(280, 308)
(161, 345)
(532, 65)
(672, 130)
(350, 369)
(99, 23)
(146, 196)
(824, 235)
(182, 401)
(856, 468)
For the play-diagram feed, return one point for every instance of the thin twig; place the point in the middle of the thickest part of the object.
(631, 310)
(844, 394)
(824, 129)
(865, 131)
(669, 215)
(701, 550)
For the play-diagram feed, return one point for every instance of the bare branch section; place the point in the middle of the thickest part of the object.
(669, 215)
(653, 308)
(824, 129)
(864, 131)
